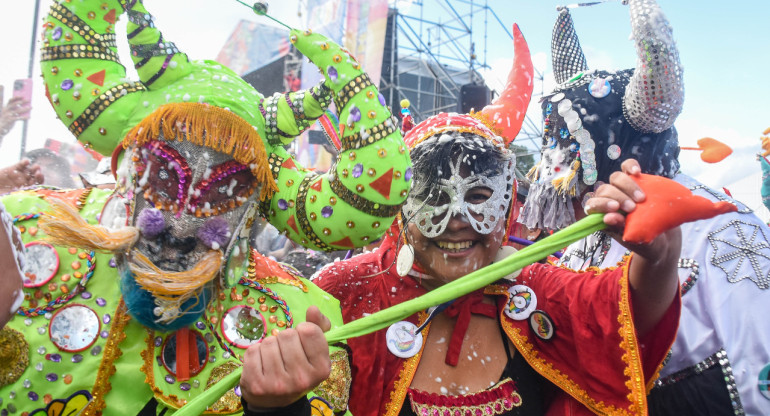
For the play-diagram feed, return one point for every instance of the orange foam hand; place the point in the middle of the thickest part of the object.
(668, 205)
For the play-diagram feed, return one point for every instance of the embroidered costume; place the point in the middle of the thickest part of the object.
(594, 120)
(149, 294)
(607, 377)
(717, 360)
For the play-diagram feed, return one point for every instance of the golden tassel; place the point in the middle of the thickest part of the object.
(64, 226)
(177, 286)
(210, 126)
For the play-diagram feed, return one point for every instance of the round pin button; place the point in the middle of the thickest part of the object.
(599, 87)
(764, 381)
(522, 301)
(541, 325)
(403, 339)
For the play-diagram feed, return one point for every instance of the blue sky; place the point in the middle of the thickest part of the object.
(724, 47)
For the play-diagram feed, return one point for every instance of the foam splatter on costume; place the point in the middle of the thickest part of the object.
(717, 361)
(607, 377)
(152, 292)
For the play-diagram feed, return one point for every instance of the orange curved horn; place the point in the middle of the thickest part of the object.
(508, 110)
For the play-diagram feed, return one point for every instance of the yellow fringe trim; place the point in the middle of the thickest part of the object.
(562, 183)
(64, 226)
(210, 126)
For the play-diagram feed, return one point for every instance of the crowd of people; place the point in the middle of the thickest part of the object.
(200, 249)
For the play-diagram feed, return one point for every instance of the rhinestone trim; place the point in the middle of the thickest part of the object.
(718, 358)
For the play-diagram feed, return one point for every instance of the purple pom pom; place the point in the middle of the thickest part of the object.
(150, 222)
(215, 233)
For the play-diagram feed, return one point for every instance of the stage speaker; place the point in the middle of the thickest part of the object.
(473, 97)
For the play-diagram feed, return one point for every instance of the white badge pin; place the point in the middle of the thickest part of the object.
(403, 339)
(521, 302)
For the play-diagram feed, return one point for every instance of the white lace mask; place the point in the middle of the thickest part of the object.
(432, 220)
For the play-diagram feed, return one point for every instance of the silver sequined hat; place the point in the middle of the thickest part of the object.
(594, 120)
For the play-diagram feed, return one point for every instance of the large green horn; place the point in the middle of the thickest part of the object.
(152, 54)
(84, 79)
(356, 201)
(288, 115)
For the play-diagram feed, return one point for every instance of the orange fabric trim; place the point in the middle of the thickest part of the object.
(210, 126)
(398, 394)
(107, 369)
(628, 343)
(553, 375)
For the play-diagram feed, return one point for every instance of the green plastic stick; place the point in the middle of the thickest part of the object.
(462, 286)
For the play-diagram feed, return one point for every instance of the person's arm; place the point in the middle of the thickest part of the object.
(16, 109)
(279, 371)
(653, 270)
(23, 173)
(11, 252)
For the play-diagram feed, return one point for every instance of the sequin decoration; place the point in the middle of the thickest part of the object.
(42, 264)
(613, 152)
(266, 290)
(14, 355)
(230, 402)
(243, 326)
(74, 328)
(53, 304)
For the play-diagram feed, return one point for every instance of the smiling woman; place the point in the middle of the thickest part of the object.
(533, 343)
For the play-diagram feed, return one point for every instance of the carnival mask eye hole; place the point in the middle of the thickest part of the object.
(478, 195)
(163, 174)
(228, 186)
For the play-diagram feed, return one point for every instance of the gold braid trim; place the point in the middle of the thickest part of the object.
(107, 369)
(147, 368)
(398, 394)
(632, 357)
(210, 126)
(484, 118)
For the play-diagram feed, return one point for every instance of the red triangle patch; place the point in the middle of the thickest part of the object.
(289, 164)
(382, 184)
(110, 17)
(293, 224)
(345, 242)
(97, 78)
(48, 93)
(317, 185)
